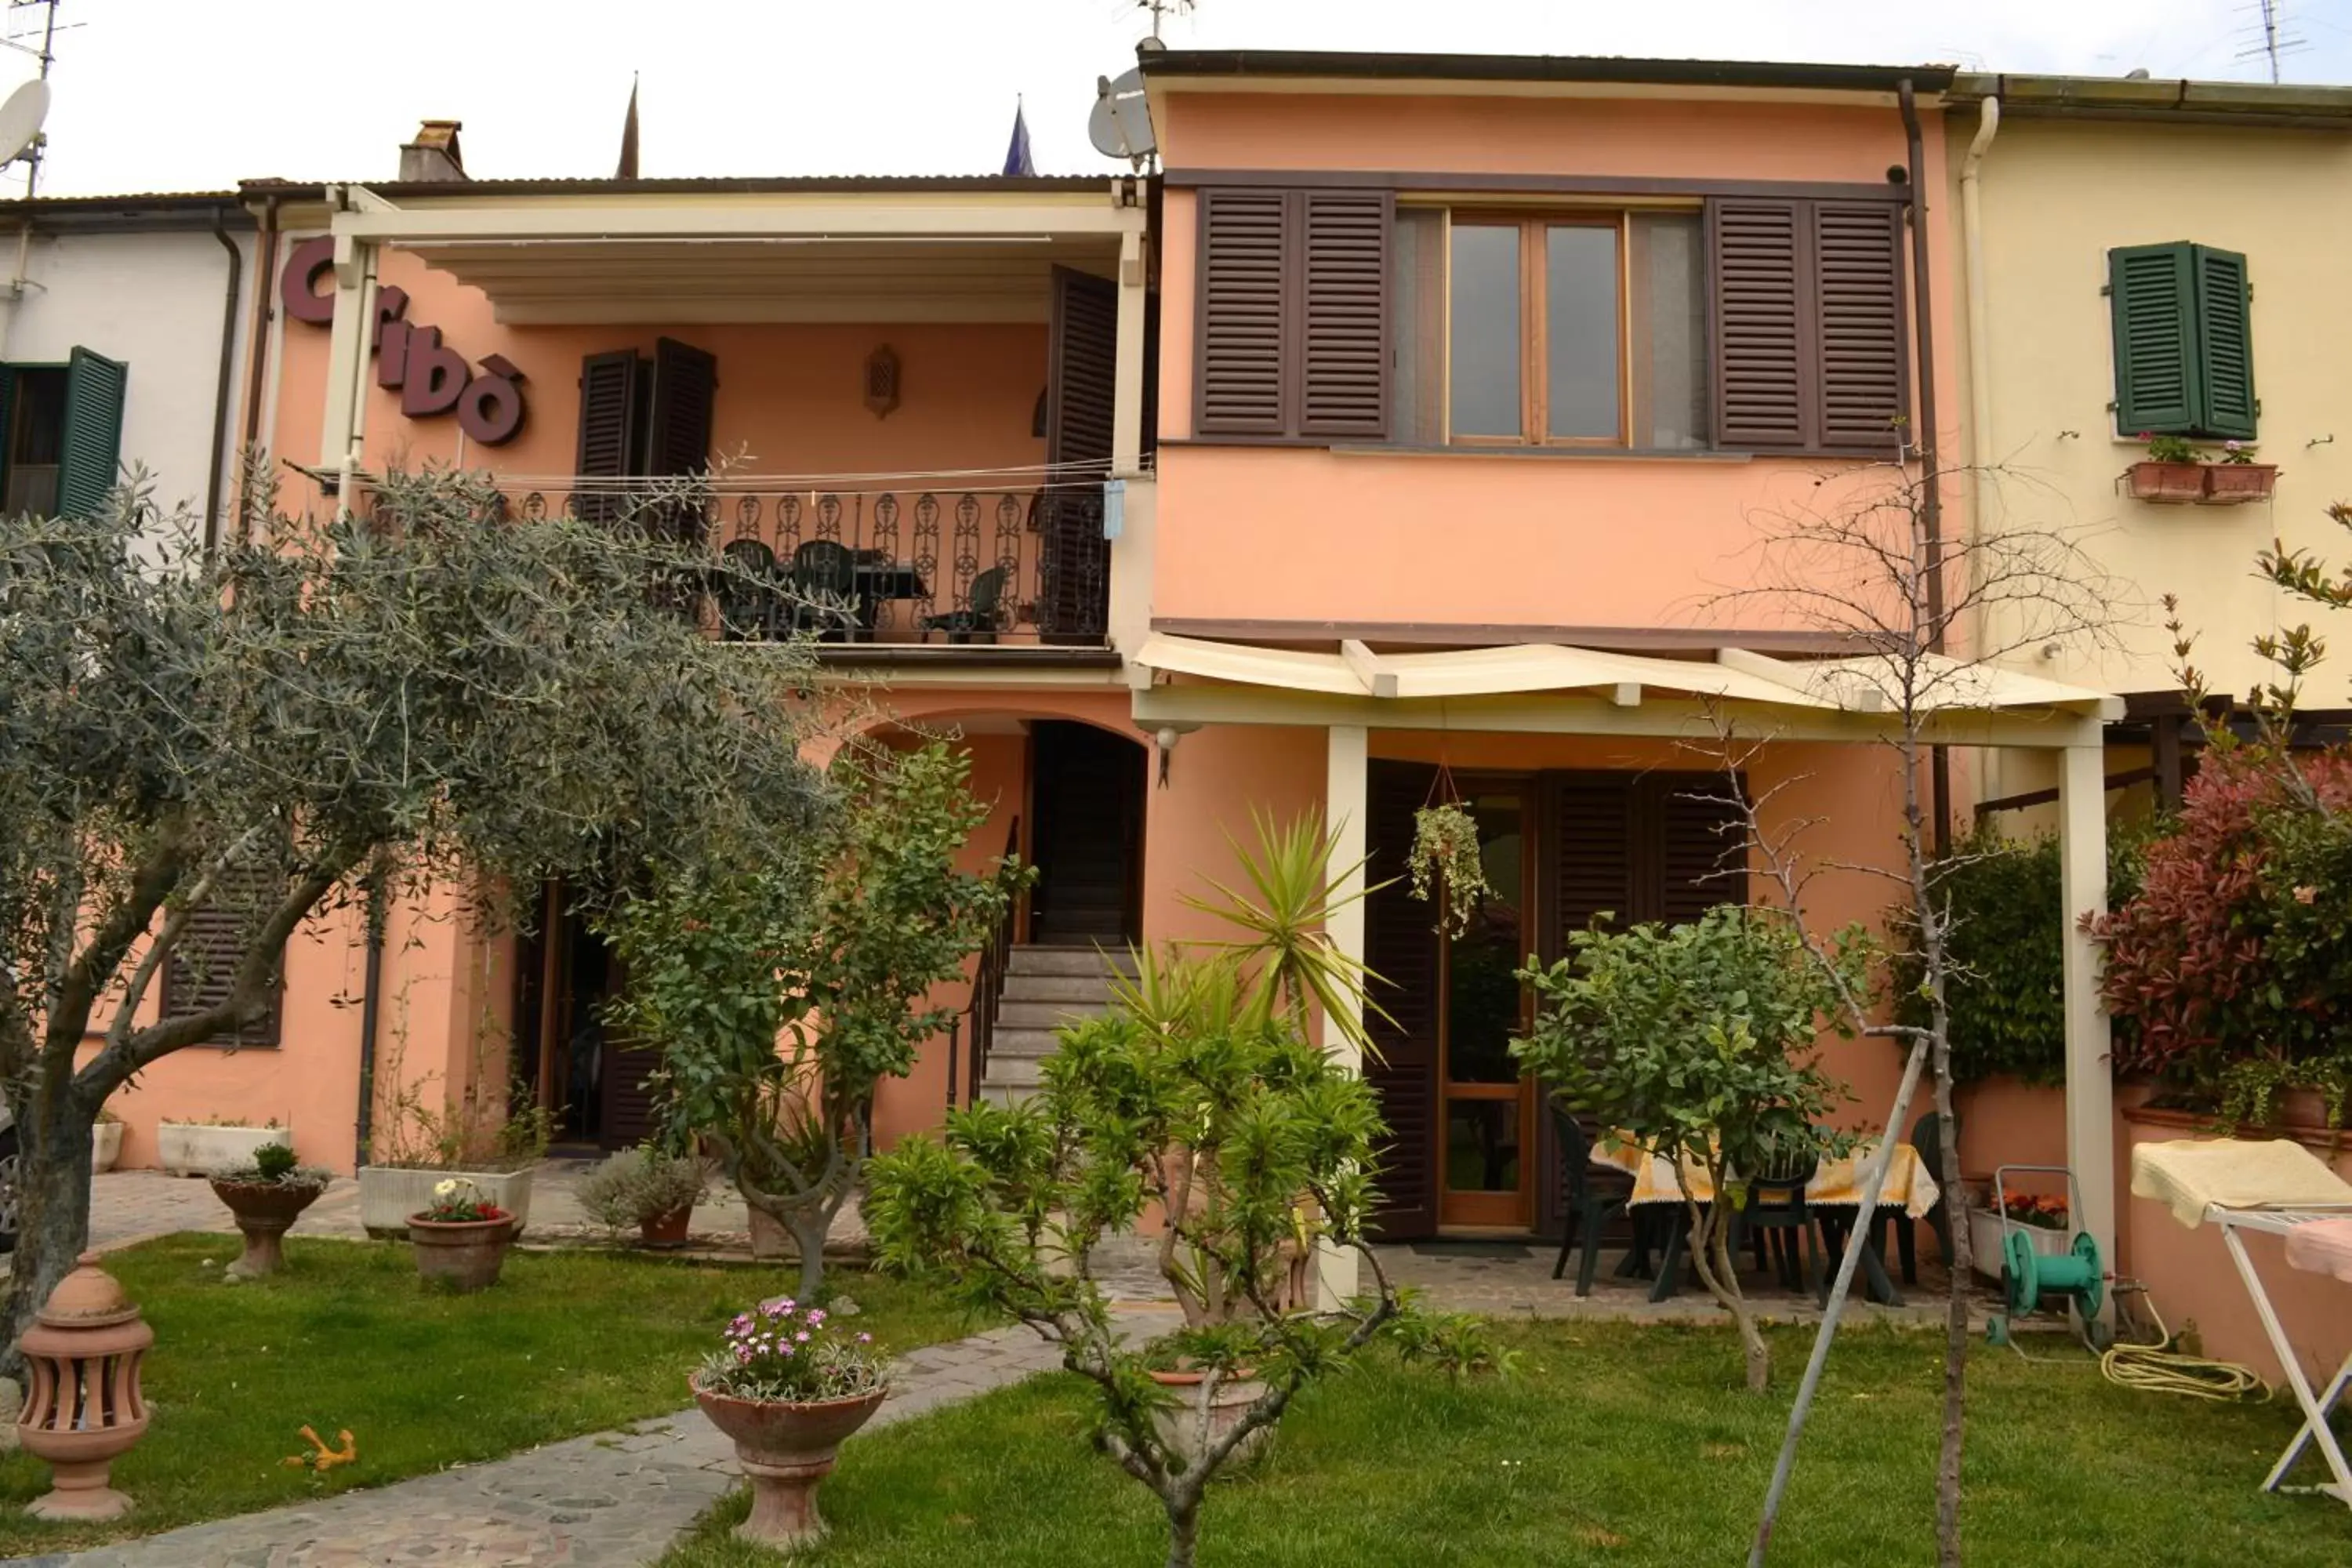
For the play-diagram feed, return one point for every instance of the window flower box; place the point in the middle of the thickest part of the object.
(2233, 484)
(2166, 484)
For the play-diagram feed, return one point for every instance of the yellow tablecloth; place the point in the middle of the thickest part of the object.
(1838, 1182)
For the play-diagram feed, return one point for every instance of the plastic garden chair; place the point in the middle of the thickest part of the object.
(1927, 1138)
(1588, 1195)
(1775, 1213)
(978, 622)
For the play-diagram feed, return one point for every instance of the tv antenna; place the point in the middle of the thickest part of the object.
(2266, 36)
(1161, 10)
(31, 29)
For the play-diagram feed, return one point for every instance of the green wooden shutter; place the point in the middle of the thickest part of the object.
(2225, 343)
(89, 449)
(2158, 370)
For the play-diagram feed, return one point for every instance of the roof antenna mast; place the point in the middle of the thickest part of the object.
(1161, 10)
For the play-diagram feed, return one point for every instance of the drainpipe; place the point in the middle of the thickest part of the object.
(1979, 324)
(1932, 498)
(220, 388)
(257, 352)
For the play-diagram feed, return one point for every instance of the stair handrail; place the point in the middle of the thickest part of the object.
(988, 985)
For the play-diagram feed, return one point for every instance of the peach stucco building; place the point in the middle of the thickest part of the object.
(1403, 432)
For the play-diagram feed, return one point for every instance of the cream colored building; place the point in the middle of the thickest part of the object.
(2051, 177)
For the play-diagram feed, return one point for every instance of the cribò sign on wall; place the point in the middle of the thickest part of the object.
(410, 357)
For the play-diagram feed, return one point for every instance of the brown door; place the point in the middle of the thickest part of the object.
(1487, 1130)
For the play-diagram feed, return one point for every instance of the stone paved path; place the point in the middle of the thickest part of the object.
(614, 1500)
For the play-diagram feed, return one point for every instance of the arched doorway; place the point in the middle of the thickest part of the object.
(1086, 792)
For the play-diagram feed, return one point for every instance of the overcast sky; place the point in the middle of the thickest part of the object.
(160, 95)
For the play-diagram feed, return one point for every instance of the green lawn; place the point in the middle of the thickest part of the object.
(566, 1343)
(1618, 1445)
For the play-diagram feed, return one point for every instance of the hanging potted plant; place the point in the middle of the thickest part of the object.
(1445, 862)
(461, 1237)
(2171, 475)
(787, 1385)
(2237, 477)
(266, 1196)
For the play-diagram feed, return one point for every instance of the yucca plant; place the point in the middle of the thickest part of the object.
(1283, 913)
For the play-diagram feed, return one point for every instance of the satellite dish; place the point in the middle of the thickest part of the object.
(21, 117)
(1121, 125)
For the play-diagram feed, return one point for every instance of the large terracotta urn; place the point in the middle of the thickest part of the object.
(785, 1450)
(85, 1408)
(264, 1211)
(1180, 1427)
(465, 1254)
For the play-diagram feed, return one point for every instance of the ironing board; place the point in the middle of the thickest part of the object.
(2279, 1188)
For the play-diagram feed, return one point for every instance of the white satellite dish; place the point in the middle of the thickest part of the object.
(21, 117)
(1121, 125)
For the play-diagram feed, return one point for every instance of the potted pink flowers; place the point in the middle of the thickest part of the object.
(2171, 475)
(460, 1239)
(788, 1384)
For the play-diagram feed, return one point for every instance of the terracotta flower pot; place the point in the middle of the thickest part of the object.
(2233, 484)
(467, 1254)
(264, 1211)
(2166, 484)
(1180, 1428)
(785, 1450)
(666, 1232)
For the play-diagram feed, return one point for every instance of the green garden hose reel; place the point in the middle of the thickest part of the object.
(2033, 1280)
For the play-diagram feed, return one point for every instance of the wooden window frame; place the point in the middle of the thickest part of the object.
(1535, 225)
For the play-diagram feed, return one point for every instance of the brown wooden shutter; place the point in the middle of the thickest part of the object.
(609, 393)
(1344, 334)
(685, 382)
(1590, 823)
(1400, 946)
(1246, 247)
(1082, 374)
(628, 1113)
(1700, 850)
(1810, 340)
(202, 969)
(1858, 257)
(1764, 395)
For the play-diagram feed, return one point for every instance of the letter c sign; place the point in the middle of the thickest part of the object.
(431, 379)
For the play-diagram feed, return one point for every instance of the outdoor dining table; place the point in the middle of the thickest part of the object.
(1836, 1183)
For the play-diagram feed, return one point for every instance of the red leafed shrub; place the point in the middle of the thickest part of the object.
(2231, 949)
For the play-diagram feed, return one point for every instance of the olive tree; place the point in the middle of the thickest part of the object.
(431, 694)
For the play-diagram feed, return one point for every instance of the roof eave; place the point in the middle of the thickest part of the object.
(1169, 65)
(2246, 105)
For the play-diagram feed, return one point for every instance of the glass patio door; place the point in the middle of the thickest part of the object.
(1487, 1134)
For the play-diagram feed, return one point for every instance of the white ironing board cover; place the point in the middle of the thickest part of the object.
(2190, 1175)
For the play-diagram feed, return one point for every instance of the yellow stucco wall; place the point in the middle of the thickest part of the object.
(2057, 195)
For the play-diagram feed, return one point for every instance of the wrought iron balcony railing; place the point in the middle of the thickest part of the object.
(919, 561)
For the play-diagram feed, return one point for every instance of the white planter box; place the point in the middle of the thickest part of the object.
(197, 1149)
(1986, 1243)
(389, 1195)
(105, 1145)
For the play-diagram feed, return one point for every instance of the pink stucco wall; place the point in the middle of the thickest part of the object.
(1486, 538)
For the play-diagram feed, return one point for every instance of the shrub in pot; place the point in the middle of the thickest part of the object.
(786, 1386)
(267, 1197)
(460, 1239)
(647, 1189)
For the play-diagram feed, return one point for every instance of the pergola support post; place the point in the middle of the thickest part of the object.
(2090, 1079)
(1347, 784)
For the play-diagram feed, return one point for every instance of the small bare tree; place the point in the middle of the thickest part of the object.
(1925, 619)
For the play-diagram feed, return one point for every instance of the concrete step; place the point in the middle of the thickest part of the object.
(1044, 1015)
(1005, 1093)
(1008, 1043)
(1013, 1072)
(1075, 959)
(1079, 988)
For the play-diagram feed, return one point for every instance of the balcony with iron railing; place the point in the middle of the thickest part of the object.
(868, 565)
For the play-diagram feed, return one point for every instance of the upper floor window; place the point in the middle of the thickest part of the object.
(2184, 344)
(60, 434)
(1561, 329)
(1742, 323)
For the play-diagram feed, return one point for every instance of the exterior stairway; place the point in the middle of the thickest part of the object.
(1046, 987)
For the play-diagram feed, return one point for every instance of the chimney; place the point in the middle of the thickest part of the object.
(434, 155)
